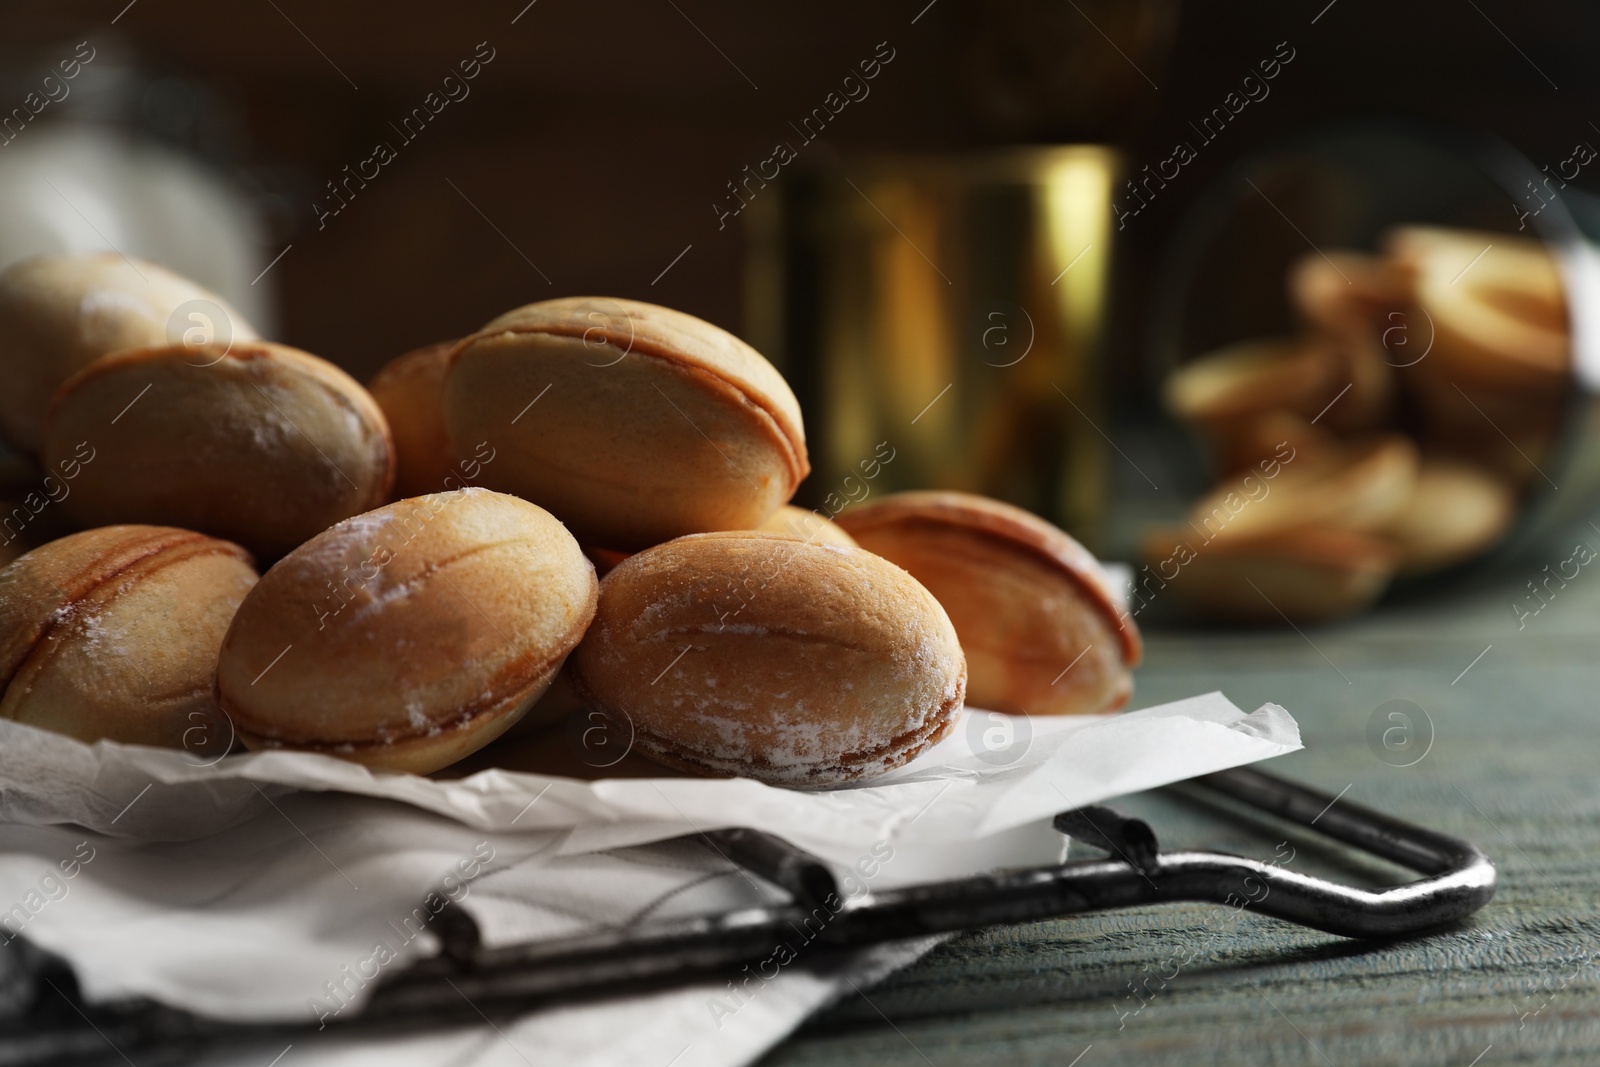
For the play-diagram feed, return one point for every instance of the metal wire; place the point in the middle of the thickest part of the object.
(1458, 879)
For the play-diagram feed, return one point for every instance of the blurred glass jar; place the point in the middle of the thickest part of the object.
(1468, 276)
(99, 151)
(942, 321)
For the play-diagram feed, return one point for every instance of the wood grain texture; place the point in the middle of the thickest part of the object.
(1511, 768)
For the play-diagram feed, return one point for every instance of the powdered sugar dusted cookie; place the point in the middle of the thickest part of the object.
(794, 662)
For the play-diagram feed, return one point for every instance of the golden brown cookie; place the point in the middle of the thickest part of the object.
(1042, 631)
(410, 636)
(410, 390)
(113, 634)
(260, 443)
(60, 313)
(632, 423)
(1456, 512)
(1494, 305)
(1305, 574)
(806, 525)
(1365, 485)
(1251, 377)
(792, 662)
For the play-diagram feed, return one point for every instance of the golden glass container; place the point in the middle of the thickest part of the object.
(943, 321)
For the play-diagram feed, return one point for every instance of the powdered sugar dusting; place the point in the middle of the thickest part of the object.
(414, 715)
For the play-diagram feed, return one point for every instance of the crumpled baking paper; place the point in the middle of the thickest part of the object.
(283, 886)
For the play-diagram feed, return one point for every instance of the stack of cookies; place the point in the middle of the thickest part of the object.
(1393, 436)
(437, 543)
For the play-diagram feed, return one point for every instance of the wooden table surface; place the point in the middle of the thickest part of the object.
(1512, 766)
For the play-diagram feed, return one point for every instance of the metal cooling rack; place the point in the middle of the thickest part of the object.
(43, 1020)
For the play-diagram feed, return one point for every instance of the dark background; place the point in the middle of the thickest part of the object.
(602, 132)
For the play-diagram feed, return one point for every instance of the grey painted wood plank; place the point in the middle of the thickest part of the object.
(1514, 764)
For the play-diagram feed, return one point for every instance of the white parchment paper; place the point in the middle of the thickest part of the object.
(282, 886)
